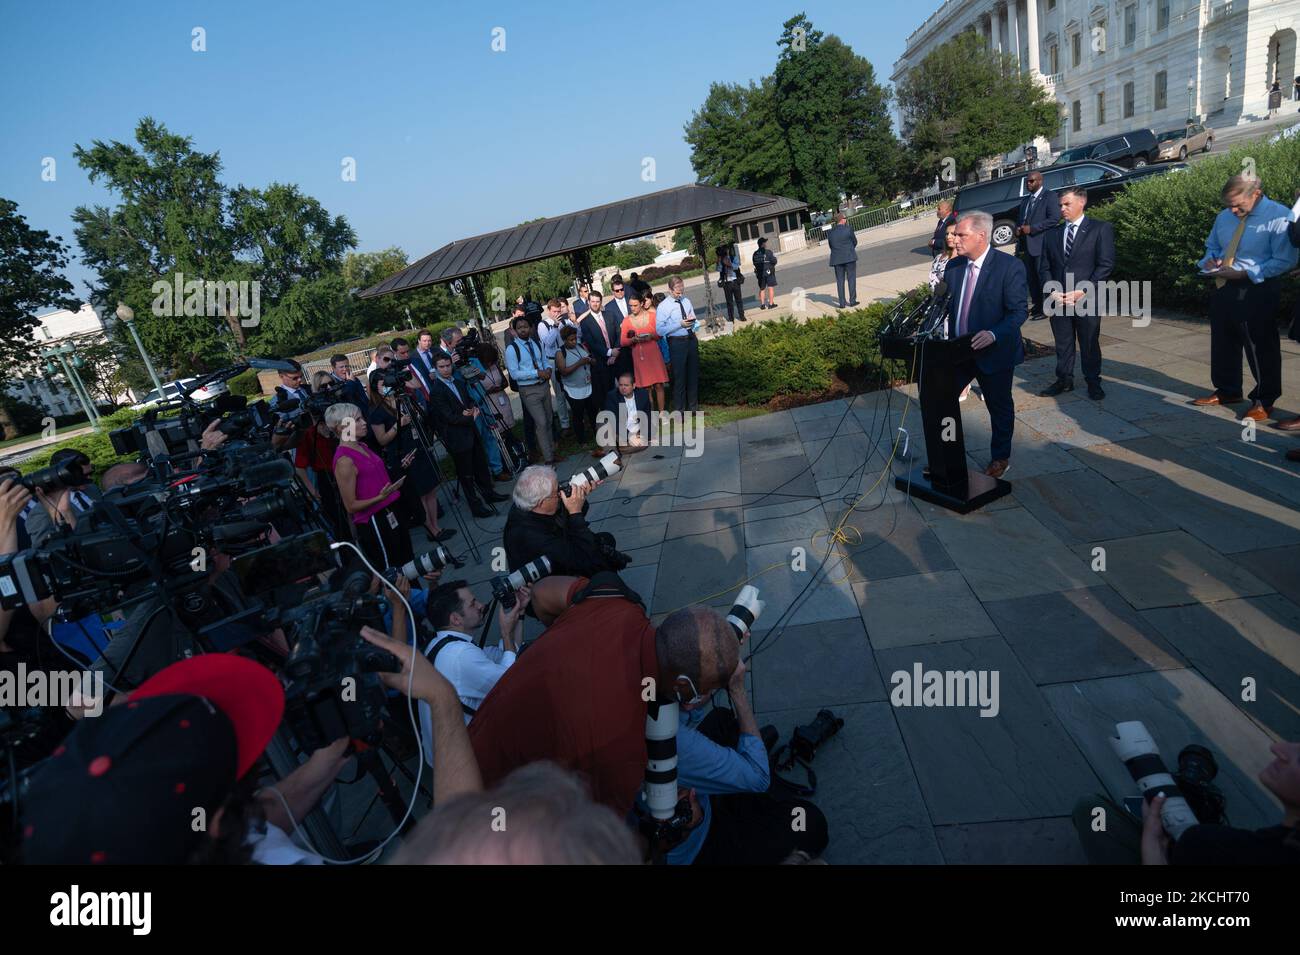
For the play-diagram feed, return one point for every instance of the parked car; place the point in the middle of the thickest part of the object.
(1131, 150)
(1177, 143)
(172, 390)
(1001, 197)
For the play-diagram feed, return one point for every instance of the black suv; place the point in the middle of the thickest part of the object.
(1001, 197)
(1131, 150)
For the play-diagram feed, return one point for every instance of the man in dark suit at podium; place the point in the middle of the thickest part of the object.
(988, 291)
(1079, 255)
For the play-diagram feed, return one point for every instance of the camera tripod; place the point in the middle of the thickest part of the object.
(425, 445)
(512, 460)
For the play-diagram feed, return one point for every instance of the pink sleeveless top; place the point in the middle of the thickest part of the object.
(372, 477)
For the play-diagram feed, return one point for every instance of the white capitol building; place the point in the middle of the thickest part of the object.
(1118, 65)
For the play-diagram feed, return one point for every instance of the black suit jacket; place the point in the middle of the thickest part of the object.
(458, 430)
(1092, 256)
(614, 401)
(1045, 215)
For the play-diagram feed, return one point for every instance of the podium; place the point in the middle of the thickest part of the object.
(948, 480)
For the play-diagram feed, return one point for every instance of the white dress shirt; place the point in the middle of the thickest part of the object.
(471, 669)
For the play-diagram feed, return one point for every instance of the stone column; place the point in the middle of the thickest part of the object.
(1031, 29)
(1013, 27)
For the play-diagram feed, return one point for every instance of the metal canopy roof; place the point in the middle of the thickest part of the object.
(779, 207)
(614, 222)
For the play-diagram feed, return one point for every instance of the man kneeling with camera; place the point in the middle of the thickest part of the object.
(538, 526)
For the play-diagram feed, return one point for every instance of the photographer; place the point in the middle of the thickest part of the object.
(721, 756)
(368, 493)
(197, 728)
(454, 613)
(538, 526)
(490, 393)
(341, 371)
(290, 395)
(392, 434)
(1125, 841)
(62, 506)
(588, 673)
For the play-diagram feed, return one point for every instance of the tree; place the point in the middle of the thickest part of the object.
(102, 369)
(715, 234)
(30, 280)
(433, 305)
(966, 103)
(835, 117)
(176, 221)
(818, 127)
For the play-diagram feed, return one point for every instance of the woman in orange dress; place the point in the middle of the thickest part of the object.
(647, 360)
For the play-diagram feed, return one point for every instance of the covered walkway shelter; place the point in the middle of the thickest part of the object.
(466, 262)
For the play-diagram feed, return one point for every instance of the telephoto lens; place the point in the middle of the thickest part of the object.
(55, 478)
(1140, 755)
(745, 611)
(504, 587)
(607, 466)
(427, 563)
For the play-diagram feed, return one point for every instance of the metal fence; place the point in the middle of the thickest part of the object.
(912, 208)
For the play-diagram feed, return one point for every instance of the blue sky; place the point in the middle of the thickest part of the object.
(450, 138)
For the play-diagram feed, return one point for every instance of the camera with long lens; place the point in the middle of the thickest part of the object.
(504, 586)
(397, 374)
(606, 467)
(55, 478)
(426, 563)
(333, 688)
(1190, 796)
(745, 611)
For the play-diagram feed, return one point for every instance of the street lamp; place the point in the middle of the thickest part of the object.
(1191, 99)
(126, 314)
(70, 372)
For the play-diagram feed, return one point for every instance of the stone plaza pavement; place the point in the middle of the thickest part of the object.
(1199, 595)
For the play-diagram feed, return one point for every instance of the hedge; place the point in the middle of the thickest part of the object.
(1161, 222)
(97, 447)
(761, 362)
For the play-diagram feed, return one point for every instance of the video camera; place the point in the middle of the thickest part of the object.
(55, 478)
(334, 688)
(397, 374)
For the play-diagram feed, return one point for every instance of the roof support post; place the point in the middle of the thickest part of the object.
(698, 229)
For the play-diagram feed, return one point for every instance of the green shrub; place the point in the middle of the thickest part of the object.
(1161, 222)
(97, 447)
(758, 363)
(245, 383)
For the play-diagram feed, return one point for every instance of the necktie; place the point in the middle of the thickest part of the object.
(1231, 254)
(681, 303)
(1069, 239)
(454, 390)
(972, 273)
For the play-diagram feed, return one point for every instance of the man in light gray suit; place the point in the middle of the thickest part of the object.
(844, 257)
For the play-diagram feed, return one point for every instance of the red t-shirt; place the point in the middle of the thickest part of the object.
(575, 698)
(314, 452)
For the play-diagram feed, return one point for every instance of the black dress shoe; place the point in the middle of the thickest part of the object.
(493, 497)
(1094, 391)
(447, 533)
(851, 304)
(479, 509)
(1058, 387)
(1037, 316)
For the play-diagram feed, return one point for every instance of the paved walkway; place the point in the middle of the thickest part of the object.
(1147, 566)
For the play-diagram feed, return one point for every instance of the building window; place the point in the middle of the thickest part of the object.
(769, 226)
(1162, 91)
(1128, 100)
(1130, 24)
(1051, 4)
(1162, 14)
(1076, 110)
(1076, 47)
(1053, 59)
(1101, 25)
(1101, 108)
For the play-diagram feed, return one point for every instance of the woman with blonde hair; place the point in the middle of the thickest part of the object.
(368, 494)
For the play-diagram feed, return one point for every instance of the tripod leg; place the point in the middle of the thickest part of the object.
(388, 791)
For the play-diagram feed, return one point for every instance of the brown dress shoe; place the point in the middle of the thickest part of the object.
(1291, 425)
(998, 468)
(1218, 399)
(1293, 454)
(1257, 412)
